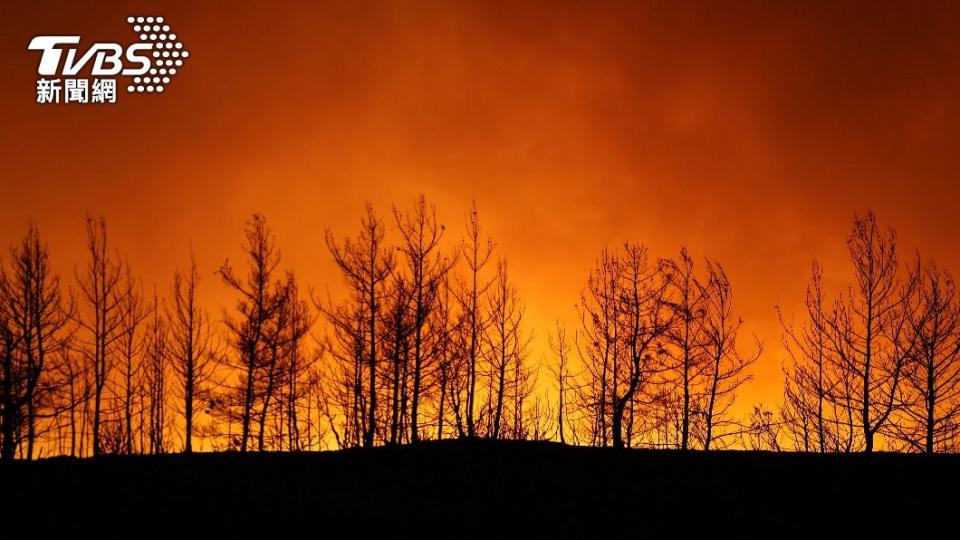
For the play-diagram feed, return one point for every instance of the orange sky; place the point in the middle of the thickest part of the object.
(750, 135)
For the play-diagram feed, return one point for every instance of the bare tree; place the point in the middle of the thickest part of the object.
(341, 397)
(868, 330)
(626, 318)
(72, 392)
(646, 321)
(805, 381)
(727, 365)
(260, 300)
(927, 419)
(688, 297)
(130, 347)
(155, 367)
(600, 315)
(397, 327)
(762, 430)
(299, 363)
(100, 290)
(192, 348)
(11, 388)
(505, 347)
(476, 253)
(560, 348)
(528, 418)
(275, 338)
(421, 235)
(366, 263)
(447, 328)
(37, 317)
(817, 410)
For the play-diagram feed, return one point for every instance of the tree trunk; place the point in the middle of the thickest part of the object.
(9, 413)
(247, 401)
(931, 402)
(372, 367)
(188, 407)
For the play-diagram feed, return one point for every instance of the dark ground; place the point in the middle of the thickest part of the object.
(493, 489)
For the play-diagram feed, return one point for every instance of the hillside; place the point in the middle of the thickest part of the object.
(456, 488)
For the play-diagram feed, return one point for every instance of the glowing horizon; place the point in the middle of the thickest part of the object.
(750, 137)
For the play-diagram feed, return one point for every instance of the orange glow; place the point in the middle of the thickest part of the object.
(750, 137)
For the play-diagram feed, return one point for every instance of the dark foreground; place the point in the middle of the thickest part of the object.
(461, 489)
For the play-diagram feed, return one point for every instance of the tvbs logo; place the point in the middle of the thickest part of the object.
(148, 64)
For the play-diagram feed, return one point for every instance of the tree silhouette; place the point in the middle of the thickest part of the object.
(155, 366)
(398, 326)
(34, 320)
(366, 263)
(420, 346)
(427, 267)
(260, 302)
(817, 409)
(100, 287)
(475, 252)
(192, 348)
(447, 327)
(868, 330)
(505, 349)
(688, 297)
(626, 317)
(929, 404)
(726, 365)
(560, 347)
(130, 346)
(298, 363)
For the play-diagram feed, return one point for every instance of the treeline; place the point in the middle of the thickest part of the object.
(878, 362)
(428, 340)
